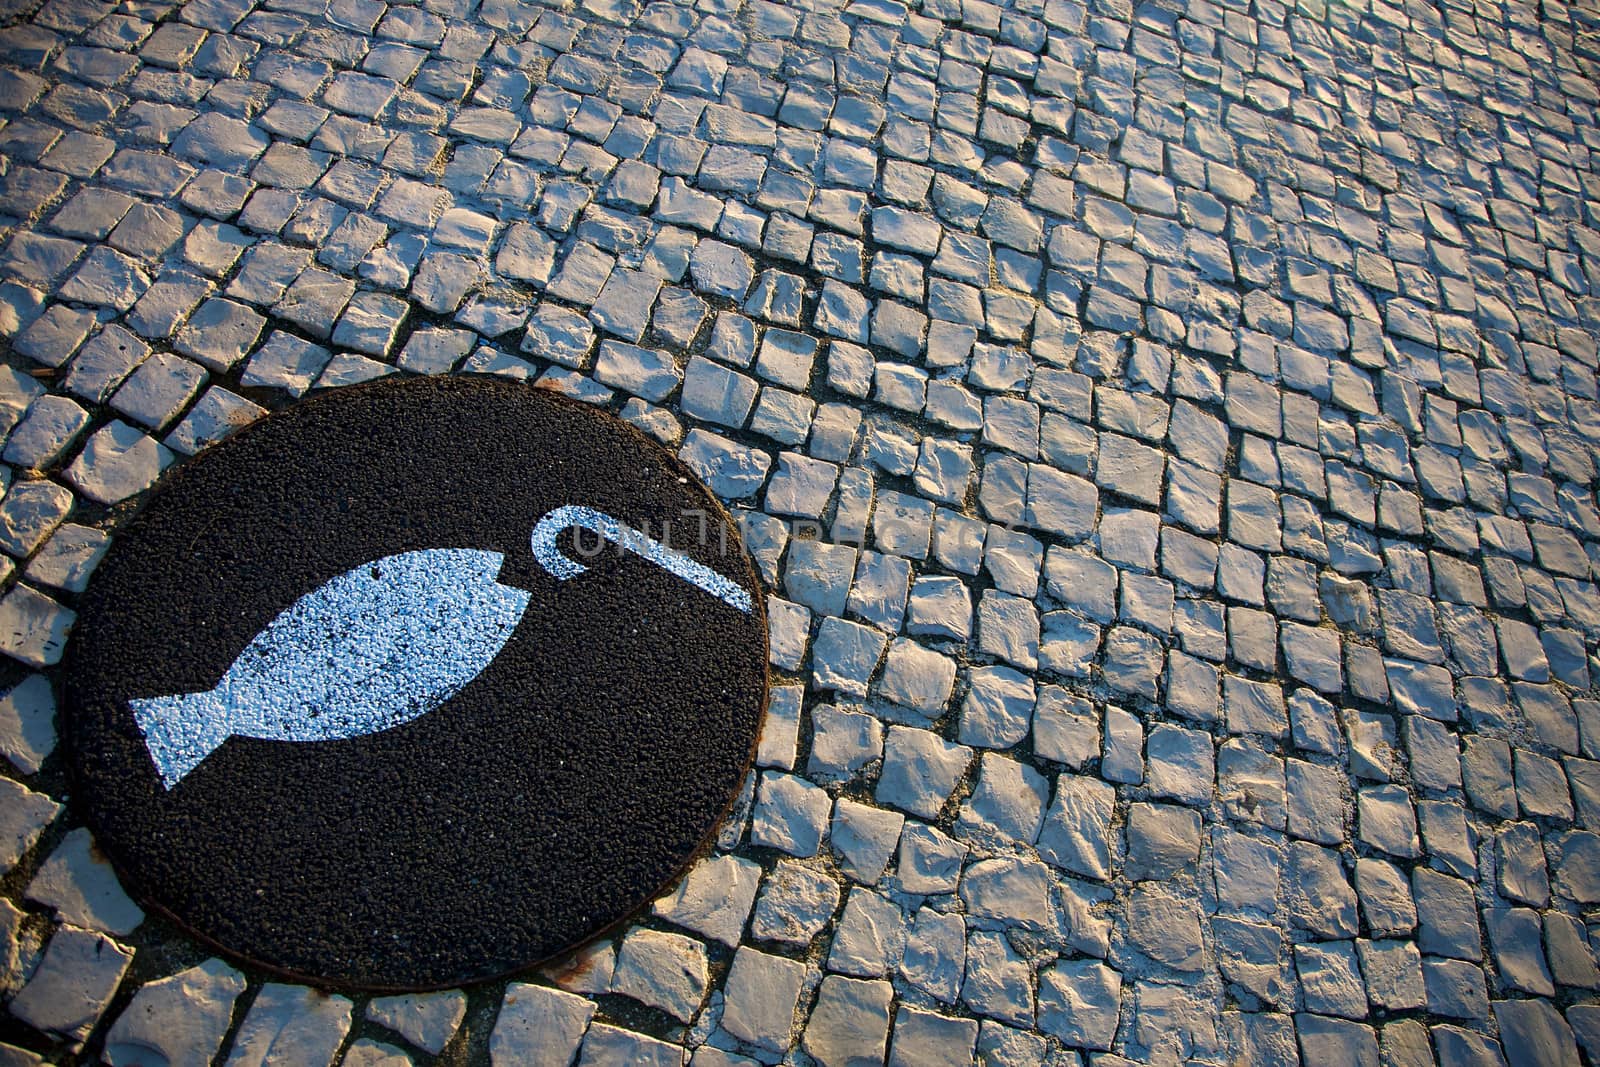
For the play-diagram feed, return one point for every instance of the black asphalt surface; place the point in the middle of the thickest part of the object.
(548, 800)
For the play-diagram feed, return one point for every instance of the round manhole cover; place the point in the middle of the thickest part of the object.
(416, 683)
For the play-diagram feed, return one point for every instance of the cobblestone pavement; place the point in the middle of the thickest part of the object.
(1210, 388)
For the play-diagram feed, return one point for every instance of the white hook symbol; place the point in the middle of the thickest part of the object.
(676, 563)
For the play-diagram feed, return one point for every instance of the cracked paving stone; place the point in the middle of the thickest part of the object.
(714, 899)
(78, 884)
(662, 970)
(27, 723)
(427, 1020)
(27, 814)
(117, 462)
(74, 983)
(849, 1025)
(181, 1018)
(762, 993)
(538, 1025)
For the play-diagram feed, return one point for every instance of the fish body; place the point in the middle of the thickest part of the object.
(375, 647)
(382, 644)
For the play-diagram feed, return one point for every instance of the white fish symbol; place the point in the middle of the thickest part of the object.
(373, 648)
(382, 644)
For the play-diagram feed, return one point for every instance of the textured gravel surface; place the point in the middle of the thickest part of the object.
(1167, 433)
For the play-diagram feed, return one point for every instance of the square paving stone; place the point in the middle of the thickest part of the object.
(219, 334)
(155, 392)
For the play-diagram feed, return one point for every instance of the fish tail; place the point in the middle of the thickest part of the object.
(181, 731)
